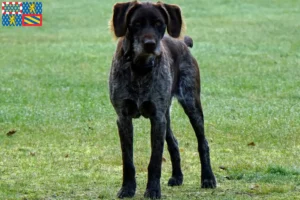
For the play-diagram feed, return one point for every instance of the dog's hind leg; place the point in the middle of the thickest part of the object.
(194, 111)
(189, 97)
(126, 138)
(177, 176)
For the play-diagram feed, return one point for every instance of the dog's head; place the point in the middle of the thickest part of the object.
(144, 24)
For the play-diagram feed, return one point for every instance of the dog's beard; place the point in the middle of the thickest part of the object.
(143, 62)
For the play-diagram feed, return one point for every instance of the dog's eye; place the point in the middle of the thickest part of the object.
(137, 24)
(158, 24)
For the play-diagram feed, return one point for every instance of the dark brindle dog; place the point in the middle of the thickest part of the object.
(147, 70)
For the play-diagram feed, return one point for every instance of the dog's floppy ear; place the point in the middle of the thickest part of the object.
(174, 18)
(118, 22)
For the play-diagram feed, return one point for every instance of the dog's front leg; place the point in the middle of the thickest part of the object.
(158, 132)
(126, 138)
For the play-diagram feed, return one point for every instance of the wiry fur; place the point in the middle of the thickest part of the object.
(148, 69)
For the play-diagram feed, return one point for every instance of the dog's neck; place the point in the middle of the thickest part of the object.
(143, 65)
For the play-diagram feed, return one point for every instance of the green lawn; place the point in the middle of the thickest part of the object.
(54, 93)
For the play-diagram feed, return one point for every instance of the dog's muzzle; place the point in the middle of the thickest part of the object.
(149, 45)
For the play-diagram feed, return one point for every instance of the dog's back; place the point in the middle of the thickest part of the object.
(183, 63)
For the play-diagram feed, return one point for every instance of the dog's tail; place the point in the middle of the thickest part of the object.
(188, 41)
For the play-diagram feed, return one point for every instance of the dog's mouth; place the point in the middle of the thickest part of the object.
(145, 56)
(146, 49)
(157, 51)
(149, 54)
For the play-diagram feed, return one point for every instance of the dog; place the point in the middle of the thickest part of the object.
(148, 69)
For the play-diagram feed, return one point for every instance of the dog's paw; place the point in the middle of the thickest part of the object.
(209, 182)
(126, 192)
(152, 194)
(175, 181)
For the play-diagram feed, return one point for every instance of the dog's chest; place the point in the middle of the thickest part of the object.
(128, 89)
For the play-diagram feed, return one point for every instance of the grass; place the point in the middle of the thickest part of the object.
(54, 93)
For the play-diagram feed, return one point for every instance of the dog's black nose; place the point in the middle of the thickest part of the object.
(149, 45)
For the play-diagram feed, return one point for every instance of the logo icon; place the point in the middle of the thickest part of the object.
(22, 13)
